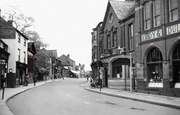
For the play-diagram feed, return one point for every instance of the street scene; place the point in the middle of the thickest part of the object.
(90, 57)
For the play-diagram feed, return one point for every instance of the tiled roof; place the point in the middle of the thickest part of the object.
(121, 8)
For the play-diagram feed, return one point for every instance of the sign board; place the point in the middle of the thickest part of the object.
(151, 35)
(173, 29)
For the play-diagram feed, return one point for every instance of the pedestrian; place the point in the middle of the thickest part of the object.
(26, 79)
(34, 79)
(87, 77)
(3, 79)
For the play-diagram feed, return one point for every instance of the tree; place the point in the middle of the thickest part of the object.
(20, 21)
(42, 59)
(34, 36)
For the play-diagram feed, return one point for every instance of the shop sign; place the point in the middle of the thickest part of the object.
(151, 35)
(173, 29)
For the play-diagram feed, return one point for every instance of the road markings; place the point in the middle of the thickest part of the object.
(87, 103)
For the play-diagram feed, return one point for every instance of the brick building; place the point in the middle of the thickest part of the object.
(114, 42)
(157, 46)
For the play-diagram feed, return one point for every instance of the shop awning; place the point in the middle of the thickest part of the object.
(73, 71)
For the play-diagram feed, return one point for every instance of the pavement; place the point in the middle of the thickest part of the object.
(173, 102)
(11, 92)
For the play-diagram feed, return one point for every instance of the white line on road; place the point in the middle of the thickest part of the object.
(87, 103)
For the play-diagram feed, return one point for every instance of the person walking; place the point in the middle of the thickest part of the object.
(26, 80)
(34, 79)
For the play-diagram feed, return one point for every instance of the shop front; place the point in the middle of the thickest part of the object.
(21, 71)
(161, 75)
(3, 59)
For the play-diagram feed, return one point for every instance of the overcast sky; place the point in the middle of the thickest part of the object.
(64, 24)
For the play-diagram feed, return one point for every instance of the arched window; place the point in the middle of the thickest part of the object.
(154, 68)
(176, 64)
(154, 56)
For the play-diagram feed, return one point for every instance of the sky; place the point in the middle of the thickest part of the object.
(66, 25)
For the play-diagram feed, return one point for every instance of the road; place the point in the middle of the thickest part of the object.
(66, 97)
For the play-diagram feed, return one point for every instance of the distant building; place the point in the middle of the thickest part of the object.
(68, 65)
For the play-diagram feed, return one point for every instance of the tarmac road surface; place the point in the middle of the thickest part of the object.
(66, 97)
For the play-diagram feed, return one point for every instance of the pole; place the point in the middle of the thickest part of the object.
(130, 72)
(3, 93)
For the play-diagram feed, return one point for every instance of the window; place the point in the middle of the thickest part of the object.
(154, 68)
(19, 38)
(157, 13)
(24, 57)
(173, 10)
(131, 35)
(19, 53)
(114, 41)
(147, 16)
(24, 41)
(108, 41)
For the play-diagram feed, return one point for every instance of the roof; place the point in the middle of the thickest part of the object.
(52, 53)
(121, 8)
(7, 26)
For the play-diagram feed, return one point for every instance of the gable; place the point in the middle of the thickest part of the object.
(118, 10)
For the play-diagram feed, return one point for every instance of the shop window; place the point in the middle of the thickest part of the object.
(173, 10)
(154, 68)
(176, 63)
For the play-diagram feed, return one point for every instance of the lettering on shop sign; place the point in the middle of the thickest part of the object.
(151, 35)
(173, 29)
